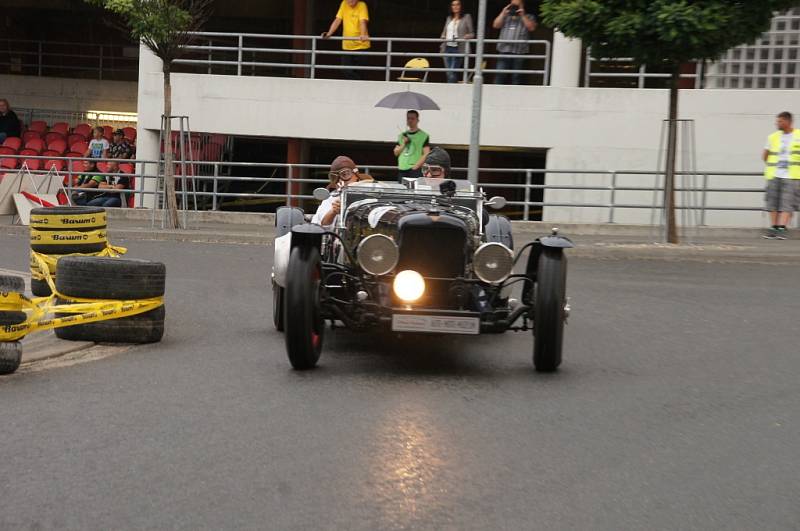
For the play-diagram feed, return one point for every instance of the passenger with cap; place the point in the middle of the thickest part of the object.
(343, 173)
(437, 164)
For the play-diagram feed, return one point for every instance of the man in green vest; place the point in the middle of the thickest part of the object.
(782, 158)
(413, 145)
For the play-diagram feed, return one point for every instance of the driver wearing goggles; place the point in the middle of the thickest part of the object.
(343, 173)
(437, 164)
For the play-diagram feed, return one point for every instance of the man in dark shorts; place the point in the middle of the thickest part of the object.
(782, 159)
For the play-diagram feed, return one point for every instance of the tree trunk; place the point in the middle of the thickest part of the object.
(172, 220)
(672, 148)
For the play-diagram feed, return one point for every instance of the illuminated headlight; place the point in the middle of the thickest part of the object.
(409, 285)
(493, 262)
(377, 254)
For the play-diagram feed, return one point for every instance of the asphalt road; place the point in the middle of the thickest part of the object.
(678, 407)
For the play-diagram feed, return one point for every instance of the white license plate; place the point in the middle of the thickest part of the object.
(439, 324)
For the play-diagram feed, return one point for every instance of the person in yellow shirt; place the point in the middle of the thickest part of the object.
(355, 16)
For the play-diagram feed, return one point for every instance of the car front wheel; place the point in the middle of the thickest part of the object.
(550, 314)
(303, 324)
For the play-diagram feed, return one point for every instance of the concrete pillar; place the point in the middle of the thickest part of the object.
(147, 147)
(302, 24)
(566, 62)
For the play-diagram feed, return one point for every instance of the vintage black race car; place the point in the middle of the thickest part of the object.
(424, 257)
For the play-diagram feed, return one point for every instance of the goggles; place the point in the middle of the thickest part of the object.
(432, 170)
(344, 174)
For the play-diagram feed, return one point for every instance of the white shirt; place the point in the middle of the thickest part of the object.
(451, 32)
(782, 171)
(97, 147)
(325, 207)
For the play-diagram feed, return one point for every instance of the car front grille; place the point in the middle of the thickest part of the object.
(433, 251)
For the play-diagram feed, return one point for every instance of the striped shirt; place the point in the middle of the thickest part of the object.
(514, 30)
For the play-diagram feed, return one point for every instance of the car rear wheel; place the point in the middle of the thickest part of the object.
(550, 300)
(304, 326)
(277, 307)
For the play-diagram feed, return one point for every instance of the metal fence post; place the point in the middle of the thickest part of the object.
(527, 207)
(214, 187)
(313, 57)
(466, 62)
(289, 175)
(210, 57)
(613, 196)
(547, 63)
(641, 76)
(704, 201)
(389, 60)
(239, 60)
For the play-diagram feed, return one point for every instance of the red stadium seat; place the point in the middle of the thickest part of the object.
(61, 127)
(29, 152)
(75, 137)
(127, 168)
(51, 153)
(75, 166)
(57, 165)
(73, 155)
(9, 164)
(59, 145)
(36, 144)
(102, 167)
(40, 126)
(129, 133)
(33, 164)
(13, 142)
(79, 147)
(52, 136)
(83, 129)
(28, 135)
(107, 132)
(131, 186)
(5, 150)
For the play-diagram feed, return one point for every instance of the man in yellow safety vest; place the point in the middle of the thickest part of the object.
(782, 158)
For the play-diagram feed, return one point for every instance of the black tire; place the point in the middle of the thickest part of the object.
(304, 326)
(41, 216)
(12, 284)
(40, 288)
(67, 248)
(10, 356)
(549, 317)
(278, 316)
(93, 277)
(145, 327)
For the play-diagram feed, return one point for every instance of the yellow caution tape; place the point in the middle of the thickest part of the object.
(50, 260)
(67, 237)
(68, 221)
(84, 311)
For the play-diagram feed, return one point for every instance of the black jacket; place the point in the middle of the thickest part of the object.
(9, 124)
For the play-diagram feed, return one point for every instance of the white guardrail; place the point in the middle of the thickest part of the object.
(215, 185)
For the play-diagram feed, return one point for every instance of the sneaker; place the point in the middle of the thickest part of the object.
(781, 233)
(770, 234)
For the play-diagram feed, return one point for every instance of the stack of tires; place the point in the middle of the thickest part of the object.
(91, 277)
(63, 231)
(11, 351)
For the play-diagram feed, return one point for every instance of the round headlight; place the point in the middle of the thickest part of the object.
(493, 262)
(377, 254)
(409, 285)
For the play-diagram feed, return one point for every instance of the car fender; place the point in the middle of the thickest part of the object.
(283, 248)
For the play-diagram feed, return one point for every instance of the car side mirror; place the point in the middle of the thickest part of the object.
(497, 202)
(321, 194)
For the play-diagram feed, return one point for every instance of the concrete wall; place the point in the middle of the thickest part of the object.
(596, 129)
(68, 94)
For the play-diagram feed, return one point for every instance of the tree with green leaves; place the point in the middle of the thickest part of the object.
(666, 34)
(165, 27)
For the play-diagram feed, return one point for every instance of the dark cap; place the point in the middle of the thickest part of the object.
(119, 132)
(439, 157)
(341, 162)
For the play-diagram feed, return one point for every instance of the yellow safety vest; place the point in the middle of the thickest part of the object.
(773, 158)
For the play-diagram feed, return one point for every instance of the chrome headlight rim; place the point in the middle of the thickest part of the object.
(363, 249)
(483, 249)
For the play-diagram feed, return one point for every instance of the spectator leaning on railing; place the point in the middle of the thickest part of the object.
(353, 14)
(9, 123)
(119, 148)
(457, 26)
(514, 25)
(117, 181)
(782, 159)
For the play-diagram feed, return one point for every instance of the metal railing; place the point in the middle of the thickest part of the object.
(75, 59)
(254, 54)
(93, 118)
(219, 185)
(607, 68)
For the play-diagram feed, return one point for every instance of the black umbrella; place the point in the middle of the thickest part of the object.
(408, 100)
